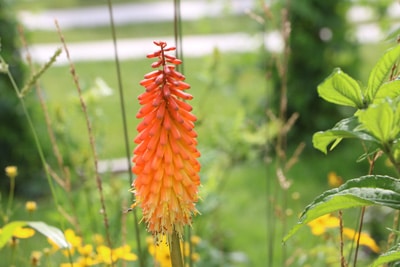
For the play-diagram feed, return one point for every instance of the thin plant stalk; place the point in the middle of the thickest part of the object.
(371, 162)
(125, 127)
(359, 236)
(10, 199)
(39, 93)
(342, 259)
(64, 182)
(281, 143)
(14, 252)
(178, 32)
(92, 142)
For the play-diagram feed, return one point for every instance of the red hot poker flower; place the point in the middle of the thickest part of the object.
(165, 159)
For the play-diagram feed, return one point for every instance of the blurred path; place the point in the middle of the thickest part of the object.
(160, 11)
(193, 46)
(130, 13)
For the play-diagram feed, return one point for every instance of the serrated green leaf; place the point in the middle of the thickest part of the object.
(389, 89)
(8, 230)
(346, 128)
(339, 88)
(55, 234)
(364, 191)
(380, 121)
(380, 72)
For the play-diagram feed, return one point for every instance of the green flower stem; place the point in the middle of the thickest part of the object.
(10, 200)
(14, 253)
(175, 250)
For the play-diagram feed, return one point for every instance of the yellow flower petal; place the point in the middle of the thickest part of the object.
(124, 253)
(85, 250)
(195, 239)
(74, 240)
(334, 180)
(321, 224)
(105, 255)
(11, 171)
(21, 232)
(365, 239)
(30, 206)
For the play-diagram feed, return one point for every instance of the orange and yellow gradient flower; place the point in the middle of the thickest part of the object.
(165, 159)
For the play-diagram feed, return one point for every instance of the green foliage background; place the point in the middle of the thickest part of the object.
(312, 57)
(16, 142)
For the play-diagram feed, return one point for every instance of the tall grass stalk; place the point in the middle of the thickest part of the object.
(178, 33)
(278, 191)
(65, 179)
(371, 161)
(92, 141)
(10, 199)
(125, 127)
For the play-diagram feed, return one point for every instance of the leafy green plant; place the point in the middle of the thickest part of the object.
(376, 123)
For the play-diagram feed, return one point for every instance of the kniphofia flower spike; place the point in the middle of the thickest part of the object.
(165, 159)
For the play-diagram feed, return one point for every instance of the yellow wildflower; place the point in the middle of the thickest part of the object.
(81, 262)
(35, 258)
(108, 256)
(195, 239)
(160, 253)
(365, 239)
(334, 180)
(23, 233)
(11, 171)
(85, 250)
(20, 233)
(195, 257)
(73, 240)
(124, 253)
(30, 206)
(319, 225)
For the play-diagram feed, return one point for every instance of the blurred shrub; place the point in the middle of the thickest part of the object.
(16, 142)
(318, 43)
